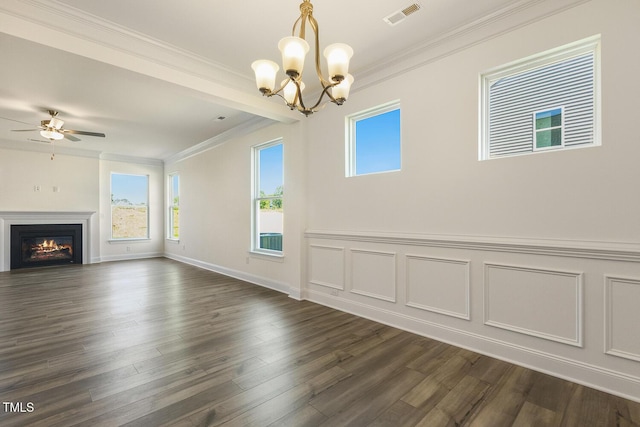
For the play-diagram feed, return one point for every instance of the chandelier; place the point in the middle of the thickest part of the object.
(294, 50)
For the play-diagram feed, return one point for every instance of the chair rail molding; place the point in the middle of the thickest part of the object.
(602, 250)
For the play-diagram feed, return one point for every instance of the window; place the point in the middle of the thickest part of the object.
(547, 102)
(173, 197)
(129, 206)
(548, 129)
(373, 140)
(267, 198)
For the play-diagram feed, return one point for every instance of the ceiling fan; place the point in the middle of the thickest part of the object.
(52, 129)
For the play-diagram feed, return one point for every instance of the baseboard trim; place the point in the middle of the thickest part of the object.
(236, 274)
(606, 380)
(127, 257)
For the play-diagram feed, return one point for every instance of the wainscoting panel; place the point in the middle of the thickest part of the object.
(541, 303)
(326, 266)
(622, 317)
(568, 308)
(439, 285)
(373, 273)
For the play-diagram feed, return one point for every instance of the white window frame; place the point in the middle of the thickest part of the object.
(351, 137)
(582, 47)
(256, 198)
(171, 205)
(124, 239)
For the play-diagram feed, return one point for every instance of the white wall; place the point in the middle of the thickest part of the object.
(512, 257)
(443, 188)
(215, 210)
(75, 177)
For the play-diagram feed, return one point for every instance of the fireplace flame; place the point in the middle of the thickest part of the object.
(48, 246)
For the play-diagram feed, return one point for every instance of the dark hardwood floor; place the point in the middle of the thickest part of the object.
(156, 342)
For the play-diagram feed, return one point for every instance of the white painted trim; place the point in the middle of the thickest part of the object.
(78, 23)
(326, 284)
(247, 127)
(467, 314)
(45, 147)
(131, 159)
(351, 122)
(577, 342)
(240, 275)
(607, 380)
(600, 250)
(131, 256)
(61, 26)
(99, 39)
(502, 21)
(9, 218)
(370, 294)
(608, 317)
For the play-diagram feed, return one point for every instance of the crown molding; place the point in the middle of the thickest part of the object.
(69, 20)
(60, 26)
(131, 159)
(45, 147)
(247, 127)
(502, 21)
(251, 125)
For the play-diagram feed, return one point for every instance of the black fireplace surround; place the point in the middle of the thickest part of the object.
(39, 245)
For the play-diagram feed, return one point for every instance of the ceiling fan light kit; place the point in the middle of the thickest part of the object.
(294, 50)
(51, 134)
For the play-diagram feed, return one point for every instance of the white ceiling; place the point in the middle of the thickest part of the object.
(155, 75)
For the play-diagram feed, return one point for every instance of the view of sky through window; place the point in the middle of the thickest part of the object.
(271, 169)
(378, 143)
(175, 182)
(130, 187)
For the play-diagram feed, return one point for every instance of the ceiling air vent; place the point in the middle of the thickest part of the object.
(398, 16)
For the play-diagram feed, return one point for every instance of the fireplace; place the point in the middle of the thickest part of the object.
(38, 245)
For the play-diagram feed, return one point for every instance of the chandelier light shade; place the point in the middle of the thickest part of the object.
(294, 50)
(265, 74)
(338, 56)
(341, 91)
(290, 91)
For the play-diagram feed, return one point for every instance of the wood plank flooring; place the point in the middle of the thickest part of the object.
(156, 342)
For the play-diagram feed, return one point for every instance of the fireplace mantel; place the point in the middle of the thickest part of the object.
(9, 218)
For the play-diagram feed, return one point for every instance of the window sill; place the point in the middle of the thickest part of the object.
(117, 241)
(274, 257)
(174, 241)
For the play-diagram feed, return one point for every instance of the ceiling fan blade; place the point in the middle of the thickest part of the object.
(17, 121)
(24, 130)
(82, 132)
(72, 138)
